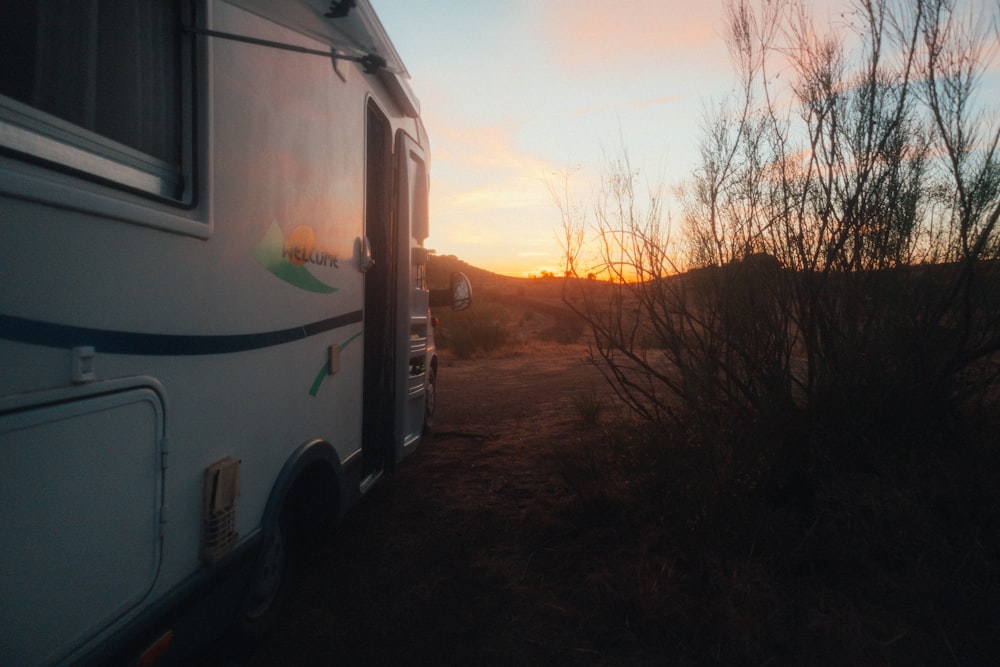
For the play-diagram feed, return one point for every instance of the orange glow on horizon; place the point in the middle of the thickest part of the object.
(515, 269)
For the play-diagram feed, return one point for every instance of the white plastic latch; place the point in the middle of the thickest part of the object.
(333, 362)
(83, 365)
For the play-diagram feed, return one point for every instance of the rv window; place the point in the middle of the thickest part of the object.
(95, 86)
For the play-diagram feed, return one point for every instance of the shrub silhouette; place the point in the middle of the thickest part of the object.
(834, 281)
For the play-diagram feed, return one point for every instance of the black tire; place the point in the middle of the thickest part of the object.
(265, 590)
(430, 400)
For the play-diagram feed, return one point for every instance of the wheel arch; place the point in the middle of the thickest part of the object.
(312, 474)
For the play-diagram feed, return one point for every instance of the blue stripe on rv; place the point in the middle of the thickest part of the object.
(50, 334)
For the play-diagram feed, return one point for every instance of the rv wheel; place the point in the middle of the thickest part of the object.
(264, 592)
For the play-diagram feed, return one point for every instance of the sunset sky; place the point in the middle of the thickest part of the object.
(514, 93)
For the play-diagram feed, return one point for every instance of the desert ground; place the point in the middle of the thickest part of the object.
(537, 524)
(460, 558)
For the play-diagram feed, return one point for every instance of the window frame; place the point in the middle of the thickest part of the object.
(49, 160)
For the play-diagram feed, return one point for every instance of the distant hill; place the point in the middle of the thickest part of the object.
(528, 307)
(440, 268)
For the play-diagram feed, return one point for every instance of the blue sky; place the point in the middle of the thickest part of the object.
(514, 93)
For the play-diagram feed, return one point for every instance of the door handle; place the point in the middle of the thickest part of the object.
(366, 260)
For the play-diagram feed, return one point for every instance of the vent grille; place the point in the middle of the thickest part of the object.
(218, 530)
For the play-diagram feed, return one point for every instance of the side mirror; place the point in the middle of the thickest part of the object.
(461, 291)
(458, 295)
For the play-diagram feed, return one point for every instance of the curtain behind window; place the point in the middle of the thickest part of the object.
(110, 66)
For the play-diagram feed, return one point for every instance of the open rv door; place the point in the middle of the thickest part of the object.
(396, 297)
(412, 296)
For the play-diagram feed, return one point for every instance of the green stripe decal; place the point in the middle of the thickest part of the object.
(324, 369)
(270, 253)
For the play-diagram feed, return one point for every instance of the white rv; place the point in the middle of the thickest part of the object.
(214, 323)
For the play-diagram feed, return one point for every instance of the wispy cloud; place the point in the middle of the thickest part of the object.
(510, 194)
(589, 34)
(481, 146)
(488, 200)
(482, 169)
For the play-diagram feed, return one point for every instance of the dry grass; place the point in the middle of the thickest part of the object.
(535, 528)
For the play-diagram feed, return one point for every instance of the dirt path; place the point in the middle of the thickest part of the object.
(449, 561)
